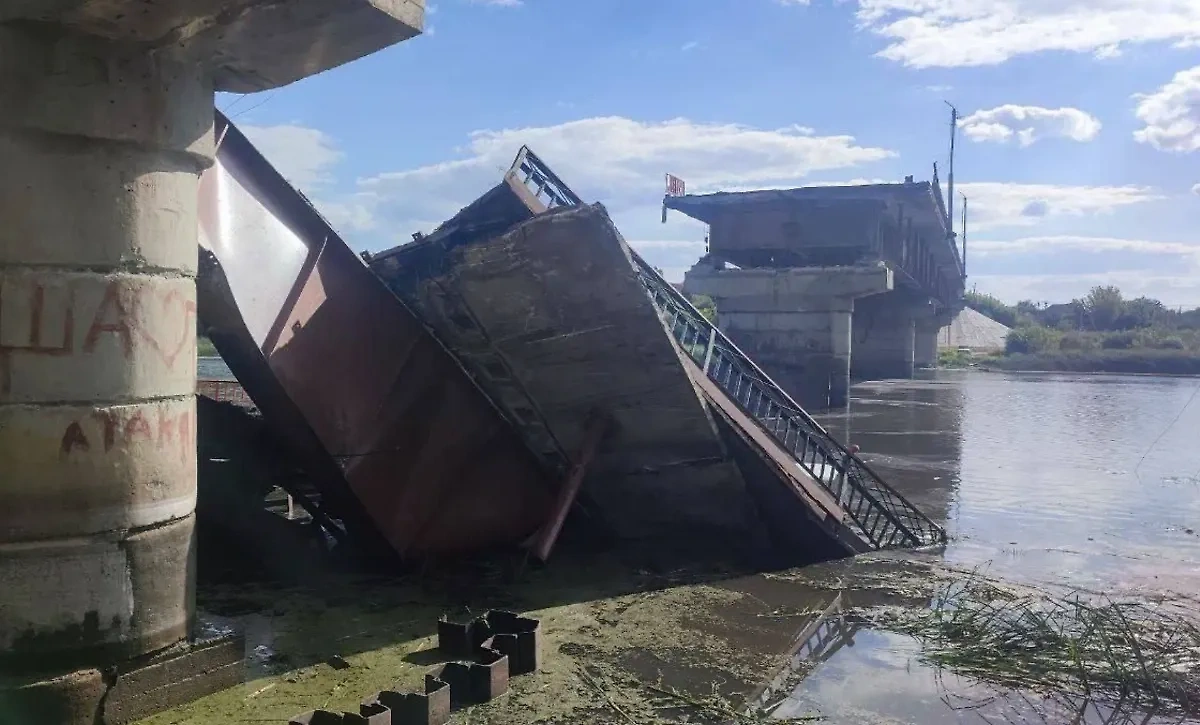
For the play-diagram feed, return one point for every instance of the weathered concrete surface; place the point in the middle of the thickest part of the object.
(928, 323)
(107, 125)
(175, 678)
(794, 322)
(885, 336)
(97, 346)
(243, 45)
(560, 302)
(903, 225)
(70, 699)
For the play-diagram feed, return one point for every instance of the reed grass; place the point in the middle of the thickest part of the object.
(1094, 648)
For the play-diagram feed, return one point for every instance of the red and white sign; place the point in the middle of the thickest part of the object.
(675, 186)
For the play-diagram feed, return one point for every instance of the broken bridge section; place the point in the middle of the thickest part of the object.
(407, 454)
(553, 321)
(558, 319)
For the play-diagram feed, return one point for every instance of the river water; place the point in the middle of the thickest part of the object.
(1092, 481)
(1057, 481)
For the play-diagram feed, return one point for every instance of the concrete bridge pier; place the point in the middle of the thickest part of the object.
(795, 322)
(107, 126)
(925, 344)
(895, 333)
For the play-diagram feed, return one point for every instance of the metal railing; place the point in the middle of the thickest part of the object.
(545, 186)
(880, 514)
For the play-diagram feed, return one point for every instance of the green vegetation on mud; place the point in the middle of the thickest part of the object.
(627, 646)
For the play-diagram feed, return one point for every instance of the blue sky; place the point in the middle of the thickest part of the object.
(1079, 147)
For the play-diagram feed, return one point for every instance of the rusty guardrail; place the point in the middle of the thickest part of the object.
(881, 514)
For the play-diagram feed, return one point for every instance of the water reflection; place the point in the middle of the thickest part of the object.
(911, 431)
(818, 639)
(842, 669)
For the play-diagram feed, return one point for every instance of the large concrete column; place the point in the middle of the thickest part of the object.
(101, 146)
(795, 323)
(929, 324)
(108, 112)
(925, 343)
(885, 336)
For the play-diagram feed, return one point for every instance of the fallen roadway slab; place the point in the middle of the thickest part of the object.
(552, 320)
(558, 320)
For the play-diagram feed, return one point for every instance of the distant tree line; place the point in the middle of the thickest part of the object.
(1103, 320)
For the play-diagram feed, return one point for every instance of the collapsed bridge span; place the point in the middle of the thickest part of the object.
(467, 390)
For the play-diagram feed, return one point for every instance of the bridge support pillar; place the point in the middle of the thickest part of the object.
(928, 327)
(795, 323)
(107, 126)
(925, 352)
(893, 336)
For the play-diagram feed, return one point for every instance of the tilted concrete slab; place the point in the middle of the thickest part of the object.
(249, 45)
(562, 309)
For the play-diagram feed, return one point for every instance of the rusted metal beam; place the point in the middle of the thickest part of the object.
(597, 426)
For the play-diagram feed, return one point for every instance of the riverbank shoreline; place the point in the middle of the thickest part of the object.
(1089, 373)
(1171, 363)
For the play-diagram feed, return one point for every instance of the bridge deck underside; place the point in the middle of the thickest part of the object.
(901, 226)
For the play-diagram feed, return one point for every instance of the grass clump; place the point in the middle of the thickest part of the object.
(1121, 652)
(954, 358)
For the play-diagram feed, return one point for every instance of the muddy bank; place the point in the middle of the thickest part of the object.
(617, 641)
(834, 641)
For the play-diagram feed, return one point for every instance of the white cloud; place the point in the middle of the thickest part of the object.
(1173, 290)
(690, 45)
(1028, 124)
(1196, 189)
(995, 204)
(948, 33)
(303, 155)
(1068, 243)
(1171, 114)
(617, 161)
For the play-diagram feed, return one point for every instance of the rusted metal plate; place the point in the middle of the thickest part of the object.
(328, 353)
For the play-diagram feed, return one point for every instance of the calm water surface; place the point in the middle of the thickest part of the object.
(213, 368)
(1088, 482)
(1091, 481)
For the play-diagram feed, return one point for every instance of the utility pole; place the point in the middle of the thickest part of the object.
(950, 180)
(964, 235)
